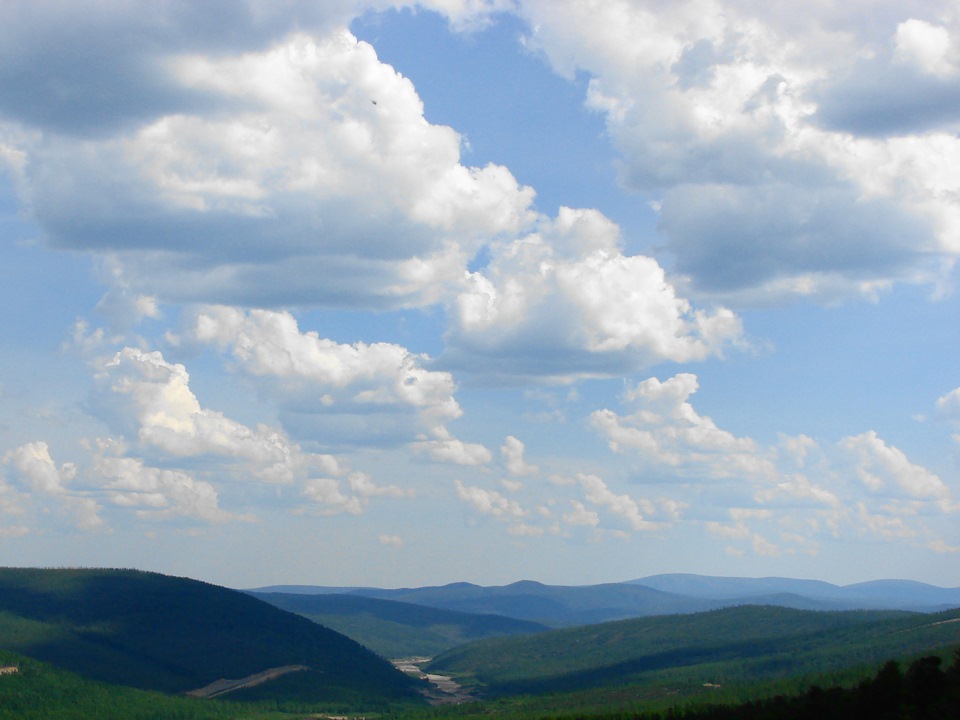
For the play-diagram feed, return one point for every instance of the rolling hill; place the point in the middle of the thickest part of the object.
(740, 644)
(397, 629)
(174, 635)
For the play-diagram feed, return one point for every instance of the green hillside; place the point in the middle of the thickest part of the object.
(157, 632)
(398, 629)
(733, 645)
(39, 691)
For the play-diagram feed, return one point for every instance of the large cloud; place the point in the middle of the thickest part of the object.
(358, 393)
(146, 398)
(755, 128)
(566, 301)
(89, 68)
(297, 169)
(150, 399)
(300, 173)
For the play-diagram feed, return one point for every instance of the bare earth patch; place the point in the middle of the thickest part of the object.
(445, 691)
(224, 686)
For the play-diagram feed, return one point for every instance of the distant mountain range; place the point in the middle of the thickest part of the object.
(398, 629)
(567, 606)
(877, 594)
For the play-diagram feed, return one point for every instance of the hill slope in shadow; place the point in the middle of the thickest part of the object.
(158, 632)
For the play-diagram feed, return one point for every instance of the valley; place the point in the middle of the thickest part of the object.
(132, 642)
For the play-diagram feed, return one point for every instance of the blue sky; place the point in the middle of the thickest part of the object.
(392, 293)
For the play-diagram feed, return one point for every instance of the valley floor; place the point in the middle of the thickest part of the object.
(444, 689)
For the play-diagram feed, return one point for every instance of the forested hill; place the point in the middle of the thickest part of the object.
(398, 629)
(154, 631)
(725, 646)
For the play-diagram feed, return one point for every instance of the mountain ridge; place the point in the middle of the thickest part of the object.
(664, 594)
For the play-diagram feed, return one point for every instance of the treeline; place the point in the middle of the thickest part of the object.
(925, 691)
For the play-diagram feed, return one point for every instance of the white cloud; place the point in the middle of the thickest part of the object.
(764, 134)
(859, 484)
(309, 374)
(885, 469)
(452, 450)
(37, 470)
(794, 489)
(666, 431)
(624, 506)
(328, 494)
(927, 46)
(579, 515)
(363, 485)
(151, 398)
(489, 502)
(343, 193)
(948, 406)
(155, 492)
(330, 499)
(512, 451)
(565, 301)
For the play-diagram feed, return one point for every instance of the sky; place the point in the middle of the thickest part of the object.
(394, 293)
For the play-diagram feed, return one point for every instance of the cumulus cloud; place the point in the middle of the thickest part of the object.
(764, 133)
(155, 492)
(37, 470)
(308, 170)
(887, 470)
(580, 515)
(802, 488)
(666, 431)
(927, 46)
(795, 489)
(452, 450)
(307, 374)
(565, 301)
(328, 494)
(512, 451)
(149, 398)
(489, 502)
(342, 193)
(626, 507)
